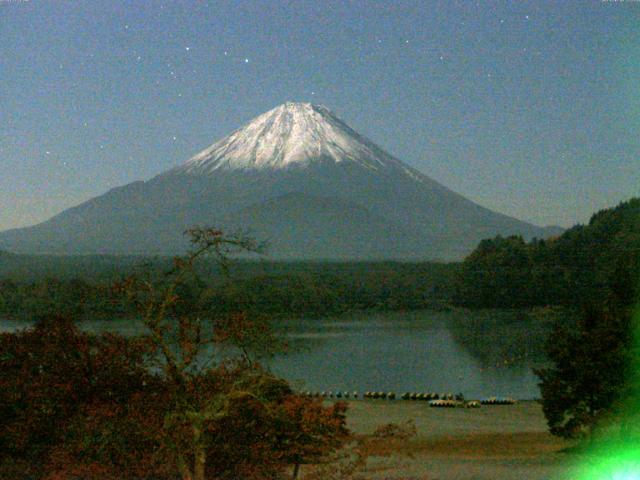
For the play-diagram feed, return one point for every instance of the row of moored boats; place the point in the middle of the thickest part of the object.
(443, 400)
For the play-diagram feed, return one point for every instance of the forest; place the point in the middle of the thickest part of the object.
(585, 264)
(83, 286)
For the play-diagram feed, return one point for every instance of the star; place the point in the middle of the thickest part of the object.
(526, 17)
(174, 138)
(246, 60)
(226, 53)
(187, 48)
(47, 152)
(139, 58)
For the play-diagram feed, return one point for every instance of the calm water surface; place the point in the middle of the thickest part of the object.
(414, 351)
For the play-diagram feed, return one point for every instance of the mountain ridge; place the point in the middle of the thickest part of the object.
(355, 200)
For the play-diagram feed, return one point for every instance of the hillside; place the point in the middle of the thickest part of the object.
(584, 264)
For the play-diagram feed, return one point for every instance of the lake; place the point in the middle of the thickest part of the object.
(477, 353)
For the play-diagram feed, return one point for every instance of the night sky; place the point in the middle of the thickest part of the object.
(529, 108)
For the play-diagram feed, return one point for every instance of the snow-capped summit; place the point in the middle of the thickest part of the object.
(297, 177)
(290, 134)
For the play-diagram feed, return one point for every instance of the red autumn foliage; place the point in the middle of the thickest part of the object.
(87, 408)
(79, 407)
(51, 375)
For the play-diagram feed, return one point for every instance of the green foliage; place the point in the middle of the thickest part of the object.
(74, 297)
(597, 260)
(495, 273)
(329, 289)
(589, 370)
(284, 289)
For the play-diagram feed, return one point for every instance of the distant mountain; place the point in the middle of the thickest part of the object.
(296, 176)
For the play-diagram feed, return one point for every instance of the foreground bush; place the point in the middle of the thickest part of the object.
(187, 400)
(77, 406)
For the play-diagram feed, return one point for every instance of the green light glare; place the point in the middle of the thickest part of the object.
(618, 463)
(617, 456)
(626, 476)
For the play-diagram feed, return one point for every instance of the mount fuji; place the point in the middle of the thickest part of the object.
(296, 176)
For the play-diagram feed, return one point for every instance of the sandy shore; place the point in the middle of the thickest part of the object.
(489, 443)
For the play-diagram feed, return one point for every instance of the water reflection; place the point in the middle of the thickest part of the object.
(416, 351)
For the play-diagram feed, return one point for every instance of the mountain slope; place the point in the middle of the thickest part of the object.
(296, 176)
(353, 229)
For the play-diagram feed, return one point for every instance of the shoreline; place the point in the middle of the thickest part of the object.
(507, 442)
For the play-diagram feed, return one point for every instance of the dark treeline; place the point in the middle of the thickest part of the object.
(587, 262)
(94, 268)
(83, 286)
